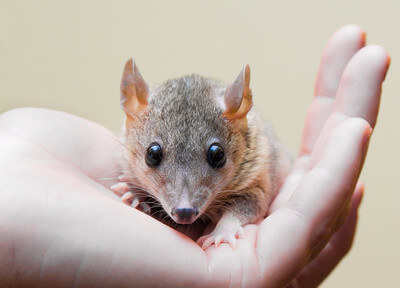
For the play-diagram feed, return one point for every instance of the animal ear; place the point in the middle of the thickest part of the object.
(134, 90)
(238, 97)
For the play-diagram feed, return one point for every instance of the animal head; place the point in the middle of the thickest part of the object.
(186, 138)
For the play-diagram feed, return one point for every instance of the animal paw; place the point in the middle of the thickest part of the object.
(120, 188)
(123, 190)
(227, 234)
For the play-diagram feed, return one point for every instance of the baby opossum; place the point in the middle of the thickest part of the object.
(198, 148)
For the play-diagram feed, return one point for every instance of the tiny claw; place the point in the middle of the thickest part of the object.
(135, 202)
(217, 238)
(127, 197)
(232, 242)
(120, 188)
(207, 242)
(240, 233)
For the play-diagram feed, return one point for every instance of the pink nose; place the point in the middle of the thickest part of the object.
(184, 215)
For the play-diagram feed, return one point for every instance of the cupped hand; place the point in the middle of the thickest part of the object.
(60, 225)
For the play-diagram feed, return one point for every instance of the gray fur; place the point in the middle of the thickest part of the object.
(185, 117)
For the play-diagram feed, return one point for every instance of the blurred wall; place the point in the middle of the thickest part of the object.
(69, 55)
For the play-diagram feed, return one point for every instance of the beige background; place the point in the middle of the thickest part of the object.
(69, 56)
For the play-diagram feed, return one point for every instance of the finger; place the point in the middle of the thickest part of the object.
(338, 246)
(361, 84)
(358, 96)
(338, 222)
(293, 231)
(338, 52)
(359, 92)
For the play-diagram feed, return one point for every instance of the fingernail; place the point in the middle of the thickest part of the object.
(363, 38)
(360, 188)
(367, 137)
(361, 197)
(388, 61)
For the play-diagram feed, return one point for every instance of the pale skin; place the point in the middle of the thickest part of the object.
(62, 226)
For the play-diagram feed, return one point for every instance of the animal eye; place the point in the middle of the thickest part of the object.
(153, 155)
(216, 156)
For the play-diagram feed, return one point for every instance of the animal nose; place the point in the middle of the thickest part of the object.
(184, 215)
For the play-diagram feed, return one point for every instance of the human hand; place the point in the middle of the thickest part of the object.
(62, 226)
(348, 86)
